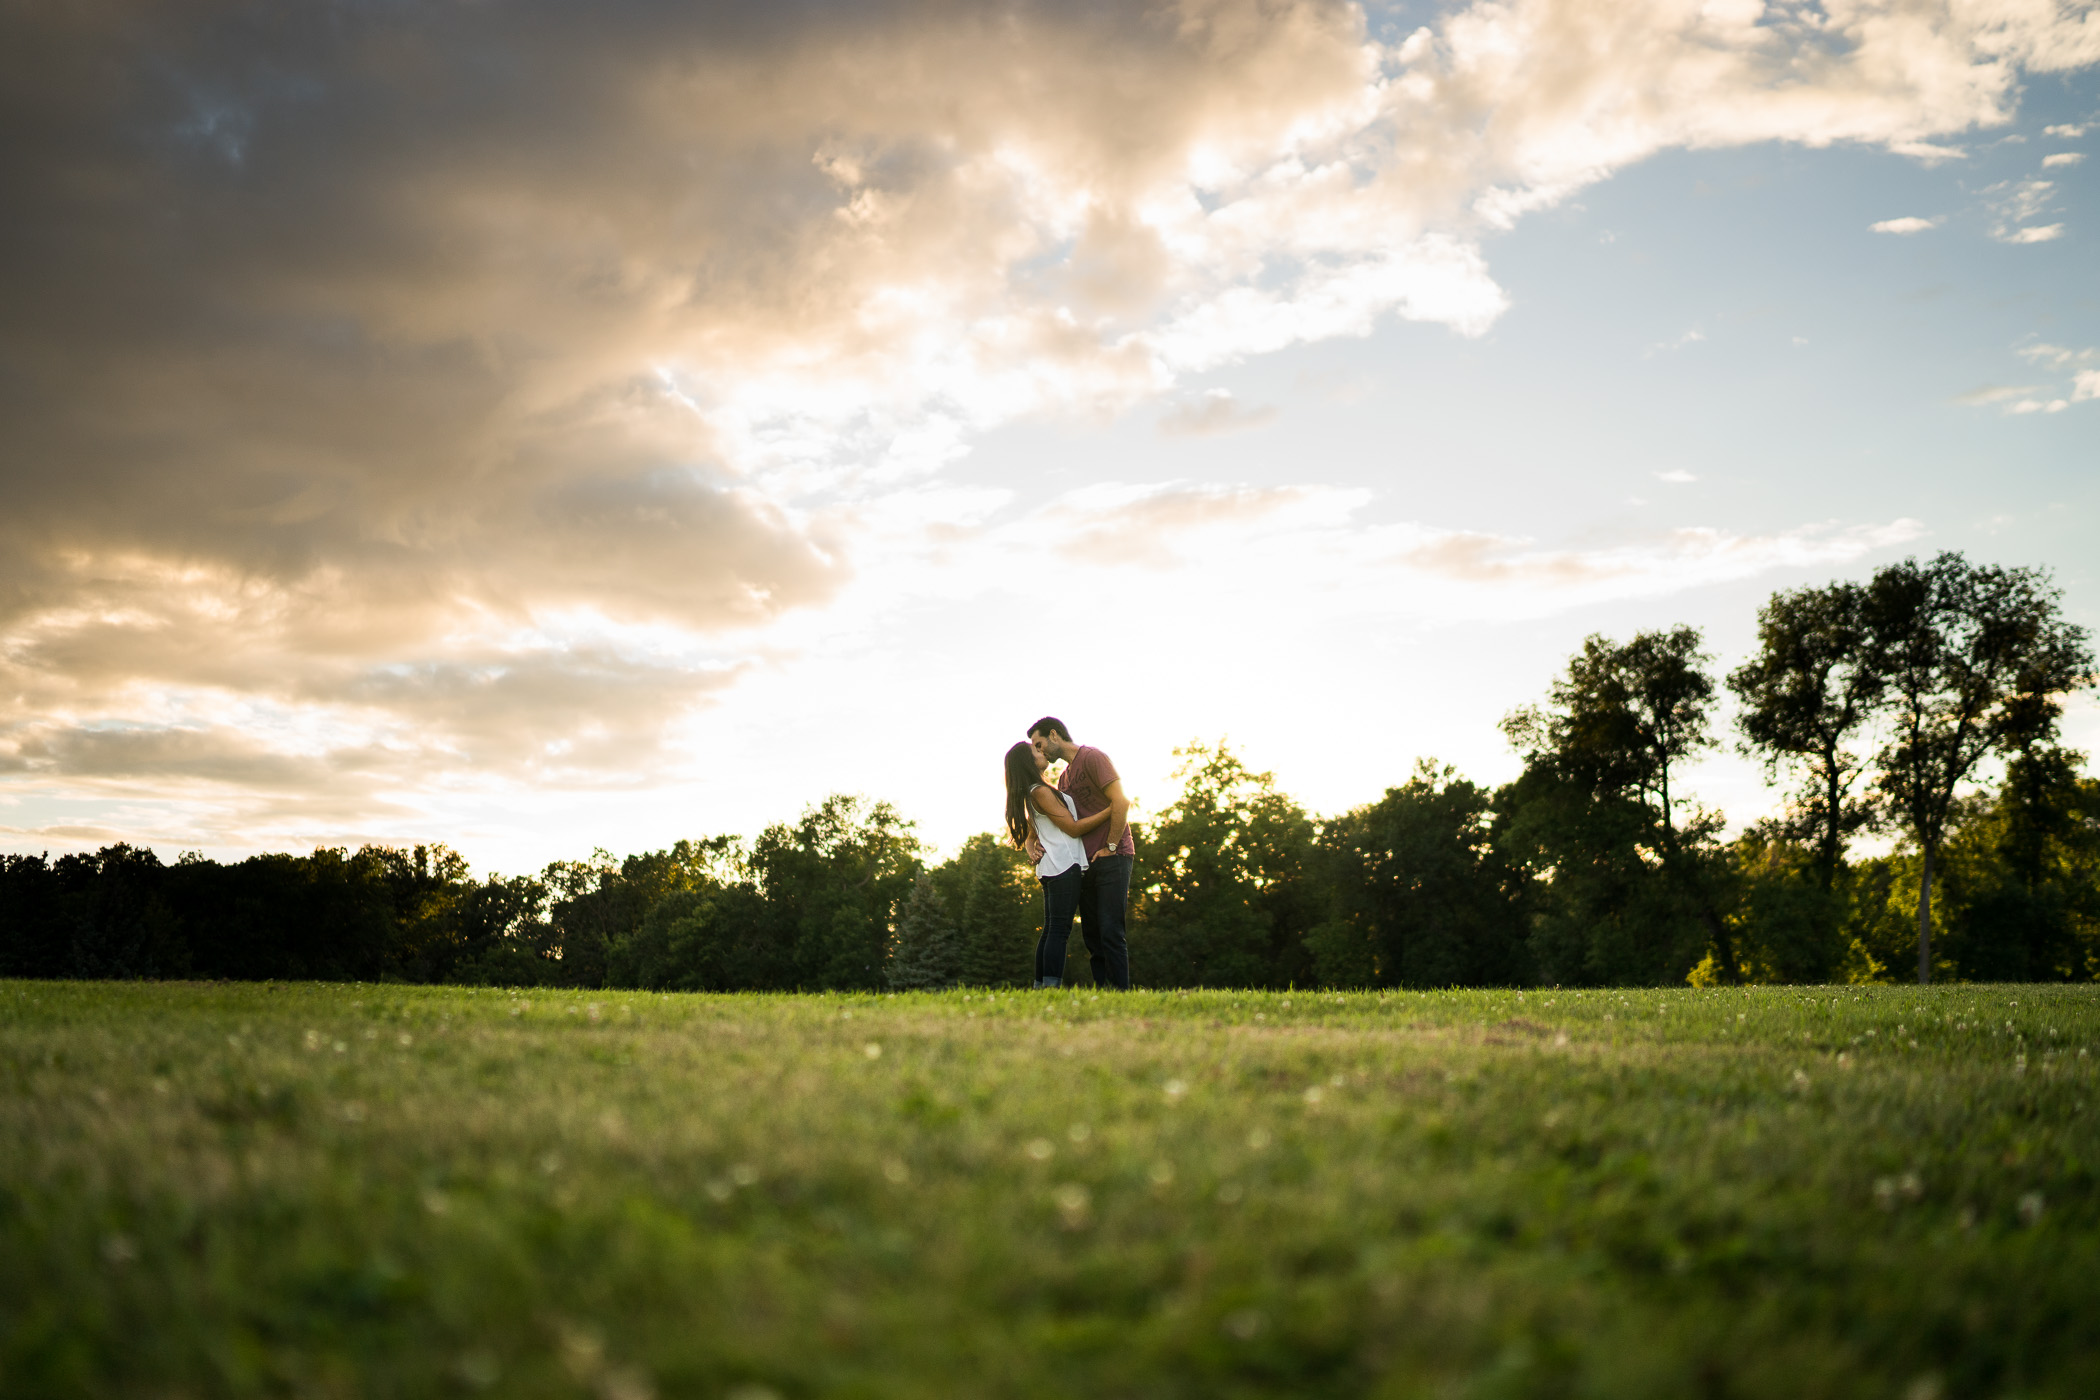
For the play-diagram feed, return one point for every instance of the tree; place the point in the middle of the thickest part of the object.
(1223, 897)
(1615, 734)
(1976, 658)
(2020, 875)
(927, 952)
(833, 884)
(597, 903)
(1422, 895)
(1814, 684)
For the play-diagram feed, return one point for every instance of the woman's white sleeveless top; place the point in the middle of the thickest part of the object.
(1060, 852)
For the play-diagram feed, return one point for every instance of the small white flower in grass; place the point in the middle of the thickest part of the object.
(1162, 1173)
(895, 1172)
(2031, 1208)
(1800, 1079)
(871, 1050)
(313, 1040)
(1074, 1204)
(1339, 1080)
(404, 1040)
(1040, 1149)
(720, 1190)
(744, 1174)
(1313, 1095)
(1246, 1324)
(593, 1012)
(119, 1250)
(1080, 1132)
(1925, 1387)
(478, 1369)
(434, 1201)
(550, 1163)
(1175, 1088)
(1258, 1140)
(341, 1048)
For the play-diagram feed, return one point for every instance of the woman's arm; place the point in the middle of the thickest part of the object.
(1052, 806)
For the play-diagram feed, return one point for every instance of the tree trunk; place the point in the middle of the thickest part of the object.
(1723, 943)
(1925, 917)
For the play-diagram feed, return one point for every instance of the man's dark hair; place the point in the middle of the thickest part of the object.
(1049, 724)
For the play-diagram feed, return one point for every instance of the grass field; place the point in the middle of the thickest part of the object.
(391, 1191)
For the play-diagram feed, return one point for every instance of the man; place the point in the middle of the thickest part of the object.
(1104, 890)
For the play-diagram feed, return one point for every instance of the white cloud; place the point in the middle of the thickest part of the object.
(2031, 398)
(1216, 412)
(2014, 203)
(1994, 393)
(1691, 337)
(1909, 223)
(1676, 476)
(2066, 131)
(2062, 158)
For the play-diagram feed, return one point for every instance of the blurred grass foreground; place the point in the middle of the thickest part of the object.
(300, 1189)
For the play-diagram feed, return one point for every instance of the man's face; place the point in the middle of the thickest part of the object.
(1048, 747)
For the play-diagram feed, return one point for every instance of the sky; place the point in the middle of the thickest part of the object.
(539, 427)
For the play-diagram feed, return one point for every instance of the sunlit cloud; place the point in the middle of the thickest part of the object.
(1910, 223)
(385, 418)
(1216, 412)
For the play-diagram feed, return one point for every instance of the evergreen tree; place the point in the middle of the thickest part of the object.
(928, 952)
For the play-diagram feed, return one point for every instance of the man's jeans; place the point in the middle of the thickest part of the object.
(1103, 892)
(1060, 898)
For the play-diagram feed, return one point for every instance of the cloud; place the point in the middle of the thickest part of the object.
(399, 394)
(2067, 131)
(1907, 224)
(1676, 476)
(2062, 158)
(1691, 337)
(1994, 393)
(1216, 412)
(2033, 398)
(2014, 203)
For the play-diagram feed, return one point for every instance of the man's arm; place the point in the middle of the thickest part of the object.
(1118, 815)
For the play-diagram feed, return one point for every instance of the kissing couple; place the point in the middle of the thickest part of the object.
(1078, 835)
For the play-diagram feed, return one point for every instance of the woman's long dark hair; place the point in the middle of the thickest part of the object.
(1021, 776)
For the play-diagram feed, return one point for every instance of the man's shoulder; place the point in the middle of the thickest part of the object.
(1095, 764)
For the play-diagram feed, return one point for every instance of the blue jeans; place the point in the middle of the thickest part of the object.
(1103, 891)
(1060, 898)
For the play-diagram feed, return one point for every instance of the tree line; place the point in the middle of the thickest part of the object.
(1921, 705)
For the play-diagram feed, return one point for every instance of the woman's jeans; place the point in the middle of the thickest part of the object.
(1060, 899)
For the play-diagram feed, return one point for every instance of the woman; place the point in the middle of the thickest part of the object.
(1032, 805)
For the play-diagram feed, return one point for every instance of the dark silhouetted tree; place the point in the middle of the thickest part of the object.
(1596, 808)
(1976, 657)
(1422, 896)
(1811, 690)
(1222, 895)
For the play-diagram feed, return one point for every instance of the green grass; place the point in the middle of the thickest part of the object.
(389, 1191)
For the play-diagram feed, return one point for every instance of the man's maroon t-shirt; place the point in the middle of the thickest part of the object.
(1087, 778)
